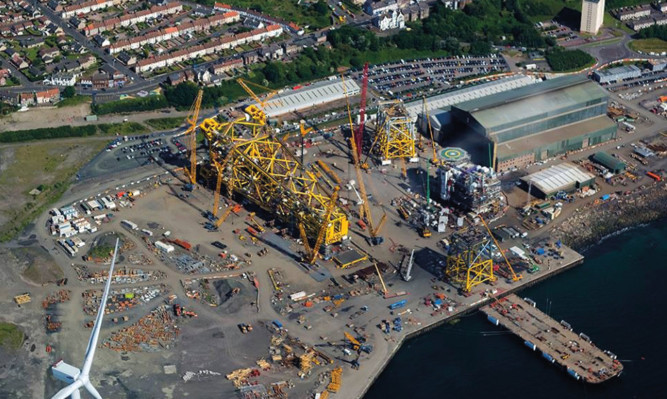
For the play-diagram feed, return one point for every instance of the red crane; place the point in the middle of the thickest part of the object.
(359, 136)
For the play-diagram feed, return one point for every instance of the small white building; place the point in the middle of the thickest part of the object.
(164, 247)
(390, 20)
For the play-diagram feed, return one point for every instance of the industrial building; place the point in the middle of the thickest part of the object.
(439, 106)
(592, 14)
(617, 74)
(565, 177)
(303, 98)
(532, 123)
(470, 187)
(614, 165)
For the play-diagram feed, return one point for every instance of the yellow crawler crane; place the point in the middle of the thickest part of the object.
(259, 167)
(395, 132)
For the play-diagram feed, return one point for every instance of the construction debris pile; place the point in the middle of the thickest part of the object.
(121, 299)
(57, 297)
(120, 276)
(151, 333)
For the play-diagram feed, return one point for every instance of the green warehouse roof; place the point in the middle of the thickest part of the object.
(608, 161)
(532, 100)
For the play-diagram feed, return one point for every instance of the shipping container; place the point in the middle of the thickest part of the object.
(397, 305)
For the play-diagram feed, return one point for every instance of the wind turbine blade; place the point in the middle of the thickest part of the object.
(76, 394)
(91, 389)
(68, 390)
(92, 344)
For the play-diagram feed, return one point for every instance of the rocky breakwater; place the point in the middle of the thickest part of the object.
(622, 210)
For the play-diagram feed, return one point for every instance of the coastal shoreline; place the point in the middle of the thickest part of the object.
(652, 208)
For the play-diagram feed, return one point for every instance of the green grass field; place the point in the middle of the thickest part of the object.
(165, 123)
(76, 100)
(48, 166)
(653, 45)
(11, 336)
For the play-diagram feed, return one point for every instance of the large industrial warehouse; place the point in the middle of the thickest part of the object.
(304, 98)
(565, 177)
(439, 106)
(535, 122)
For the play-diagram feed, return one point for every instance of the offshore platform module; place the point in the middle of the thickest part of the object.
(253, 163)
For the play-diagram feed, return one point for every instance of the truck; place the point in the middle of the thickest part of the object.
(398, 305)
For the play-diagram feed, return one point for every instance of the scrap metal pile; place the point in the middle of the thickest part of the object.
(156, 330)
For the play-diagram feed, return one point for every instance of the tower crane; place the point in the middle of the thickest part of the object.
(362, 111)
(256, 112)
(191, 120)
(430, 130)
(374, 238)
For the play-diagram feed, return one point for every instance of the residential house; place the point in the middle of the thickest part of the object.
(5, 73)
(26, 99)
(86, 62)
(77, 23)
(77, 48)
(101, 80)
(69, 66)
(290, 48)
(30, 41)
(226, 66)
(416, 11)
(377, 8)
(48, 54)
(48, 96)
(19, 62)
(176, 78)
(52, 29)
(127, 58)
(55, 5)
(61, 79)
(101, 40)
(390, 20)
(36, 72)
(273, 51)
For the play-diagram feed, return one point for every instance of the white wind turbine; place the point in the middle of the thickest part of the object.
(72, 375)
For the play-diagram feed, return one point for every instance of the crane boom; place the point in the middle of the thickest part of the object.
(430, 130)
(366, 211)
(323, 228)
(355, 343)
(224, 216)
(191, 119)
(362, 111)
(216, 195)
(515, 277)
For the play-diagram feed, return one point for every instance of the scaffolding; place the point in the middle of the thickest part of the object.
(259, 167)
(395, 132)
(470, 261)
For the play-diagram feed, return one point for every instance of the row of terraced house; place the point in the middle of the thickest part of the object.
(214, 46)
(133, 18)
(175, 31)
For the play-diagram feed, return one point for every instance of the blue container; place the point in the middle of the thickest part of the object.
(530, 345)
(398, 304)
(548, 357)
(605, 197)
(493, 320)
(277, 324)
